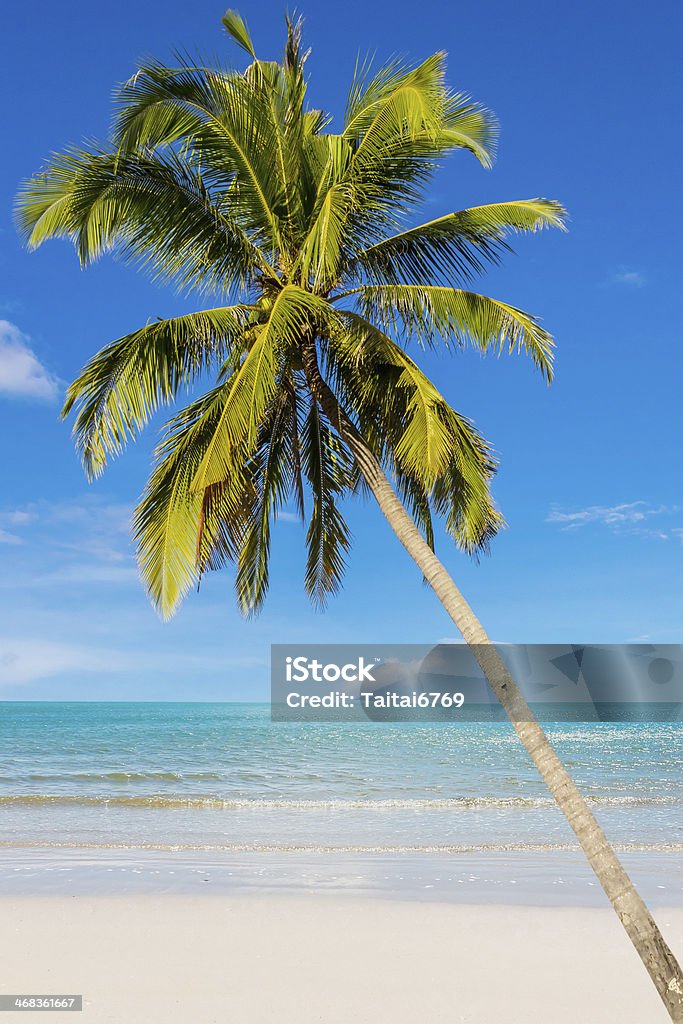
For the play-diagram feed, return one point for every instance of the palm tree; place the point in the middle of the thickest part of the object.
(225, 182)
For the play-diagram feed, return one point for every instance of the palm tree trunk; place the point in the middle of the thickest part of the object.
(649, 943)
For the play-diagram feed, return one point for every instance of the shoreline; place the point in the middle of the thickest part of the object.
(546, 878)
(261, 958)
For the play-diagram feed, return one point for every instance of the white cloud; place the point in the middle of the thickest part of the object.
(74, 574)
(87, 540)
(24, 660)
(9, 538)
(89, 511)
(614, 515)
(89, 573)
(631, 278)
(633, 517)
(17, 517)
(22, 374)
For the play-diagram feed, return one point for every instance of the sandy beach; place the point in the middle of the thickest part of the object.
(308, 959)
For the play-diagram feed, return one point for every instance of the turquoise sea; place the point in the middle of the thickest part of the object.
(219, 780)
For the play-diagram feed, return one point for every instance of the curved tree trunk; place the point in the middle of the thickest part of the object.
(653, 950)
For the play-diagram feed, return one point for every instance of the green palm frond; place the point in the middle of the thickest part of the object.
(327, 466)
(400, 122)
(453, 119)
(416, 500)
(434, 452)
(463, 497)
(276, 468)
(152, 210)
(123, 385)
(435, 313)
(429, 428)
(468, 125)
(225, 119)
(283, 89)
(458, 245)
(321, 252)
(175, 536)
(396, 100)
(236, 27)
(328, 200)
(256, 382)
(418, 428)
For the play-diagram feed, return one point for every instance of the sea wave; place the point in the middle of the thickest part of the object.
(161, 801)
(313, 848)
(116, 777)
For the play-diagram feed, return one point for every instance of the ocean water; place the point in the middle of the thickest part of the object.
(221, 778)
(171, 797)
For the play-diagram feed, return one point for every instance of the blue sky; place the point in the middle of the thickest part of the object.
(590, 478)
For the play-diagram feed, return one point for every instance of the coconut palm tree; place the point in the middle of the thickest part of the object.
(228, 184)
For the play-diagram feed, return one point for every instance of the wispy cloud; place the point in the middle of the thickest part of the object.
(608, 515)
(17, 517)
(25, 660)
(632, 516)
(76, 574)
(87, 514)
(9, 538)
(629, 277)
(22, 375)
(88, 541)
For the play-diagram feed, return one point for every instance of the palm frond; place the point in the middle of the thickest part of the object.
(400, 122)
(454, 120)
(376, 101)
(175, 536)
(236, 27)
(326, 198)
(123, 385)
(469, 125)
(275, 472)
(321, 252)
(435, 453)
(456, 246)
(256, 382)
(225, 119)
(153, 210)
(327, 466)
(435, 313)
(416, 500)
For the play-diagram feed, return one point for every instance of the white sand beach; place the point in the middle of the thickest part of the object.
(309, 959)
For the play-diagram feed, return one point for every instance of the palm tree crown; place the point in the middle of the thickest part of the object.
(227, 183)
